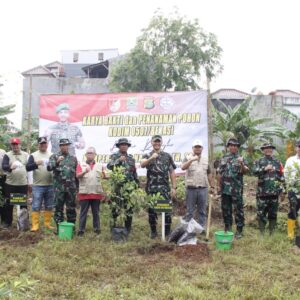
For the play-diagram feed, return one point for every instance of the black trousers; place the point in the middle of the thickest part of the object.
(7, 210)
(84, 208)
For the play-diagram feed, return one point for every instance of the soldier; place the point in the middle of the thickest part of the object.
(269, 171)
(292, 177)
(89, 174)
(64, 130)
(197, 177)
(64, 166)
(230, 178)
(14, 163)
(122, 158)
(159, 166)
(42, 189)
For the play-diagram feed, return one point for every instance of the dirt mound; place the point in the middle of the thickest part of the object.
(199, 252)
(18, 238)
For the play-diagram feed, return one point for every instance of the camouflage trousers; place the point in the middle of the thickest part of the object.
(62, 198)
(235, 202)
(294, 205)
(267, 208)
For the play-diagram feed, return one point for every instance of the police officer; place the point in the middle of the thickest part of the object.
(64, 166)
(230, 178)
(292, 177)
(160, 166)
(269, 171)
(64, 130)
(122, 158)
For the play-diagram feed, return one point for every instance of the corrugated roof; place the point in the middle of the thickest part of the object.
(38, 71)
(287, 93)
(54, 64)
(229, 94)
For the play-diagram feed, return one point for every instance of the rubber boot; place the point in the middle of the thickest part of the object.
(128, 223)
(228, 228)
(291, 228)
(167, 229)
(261, 226)
(272, 225)
(239, 233)
(153, 233)
(47, 219)
(35, 221)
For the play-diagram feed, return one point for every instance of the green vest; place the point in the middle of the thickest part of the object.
(40, 175)
(17, 176)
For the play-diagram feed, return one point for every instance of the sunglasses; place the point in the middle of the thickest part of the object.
(90, 153)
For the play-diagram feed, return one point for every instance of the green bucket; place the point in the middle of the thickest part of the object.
(224, 240)
(65, 230)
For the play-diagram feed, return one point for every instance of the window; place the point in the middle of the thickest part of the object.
(75, 57)
(100, 56)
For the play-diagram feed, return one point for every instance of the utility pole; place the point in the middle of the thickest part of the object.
(29, 116)
(209, 122)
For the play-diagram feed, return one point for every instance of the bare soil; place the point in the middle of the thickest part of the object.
(13, 237)
(192, 253)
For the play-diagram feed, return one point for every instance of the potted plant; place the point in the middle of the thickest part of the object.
(125, 199)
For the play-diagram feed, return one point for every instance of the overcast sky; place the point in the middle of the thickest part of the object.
(260, 39)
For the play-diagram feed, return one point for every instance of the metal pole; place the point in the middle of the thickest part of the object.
(209, 123)
(163, 233)
(29, 116)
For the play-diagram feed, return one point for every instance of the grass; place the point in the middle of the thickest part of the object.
(93, 267)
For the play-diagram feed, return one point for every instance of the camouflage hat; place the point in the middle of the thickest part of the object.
(42, 140)
(267, 145)
(64, 142)
(233, 141)
(62, 106)
(122, 141)
(156, 137)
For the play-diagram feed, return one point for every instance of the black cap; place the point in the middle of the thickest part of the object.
(123, 141)
(267, 145)
(156, 137)
(64, 142)
(233, 141)
(42, 140)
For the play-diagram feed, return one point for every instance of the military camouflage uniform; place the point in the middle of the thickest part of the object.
(64, 131)
(232, 190)
(64, 186)
(131, 175)
(268, 188)
(158, 181)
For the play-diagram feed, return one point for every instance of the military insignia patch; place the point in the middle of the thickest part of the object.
(149, 103)
(114, 105)
(166, 102)
(131, 103)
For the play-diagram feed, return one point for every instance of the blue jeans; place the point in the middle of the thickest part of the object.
(40, 193)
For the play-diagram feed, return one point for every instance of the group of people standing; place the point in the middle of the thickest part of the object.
(53, 178)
